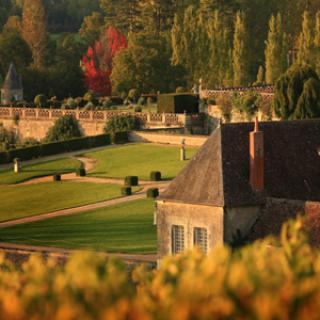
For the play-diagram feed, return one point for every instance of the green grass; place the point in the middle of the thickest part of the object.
(22, 201)
(39, 170)
(125, 228)
(139, 160)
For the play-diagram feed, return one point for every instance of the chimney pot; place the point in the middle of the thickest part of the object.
(257, 158)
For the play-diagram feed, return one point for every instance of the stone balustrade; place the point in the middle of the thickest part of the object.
(265, 91)
(147, 119)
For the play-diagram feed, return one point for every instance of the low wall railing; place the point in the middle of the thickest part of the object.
(161, 119)
(265, 91)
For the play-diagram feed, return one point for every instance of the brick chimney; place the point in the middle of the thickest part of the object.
(257, 158)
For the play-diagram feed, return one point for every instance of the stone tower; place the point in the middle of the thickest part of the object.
(12, 90)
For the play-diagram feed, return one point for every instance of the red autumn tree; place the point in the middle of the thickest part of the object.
(97, 62)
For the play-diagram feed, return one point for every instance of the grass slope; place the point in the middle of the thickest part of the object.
(125, 228)
(22, 201)
(39, 170)
(139, 160)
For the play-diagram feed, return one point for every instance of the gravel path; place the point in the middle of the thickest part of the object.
(89, 165)
(65, 253)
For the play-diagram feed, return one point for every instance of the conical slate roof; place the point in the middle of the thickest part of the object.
(12, 80)
(219, 173)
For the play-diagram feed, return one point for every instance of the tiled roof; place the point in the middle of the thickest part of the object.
(12, 80)
(219, 174)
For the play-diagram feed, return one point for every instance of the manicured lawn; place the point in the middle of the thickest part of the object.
(126, 228)
(39, 170)
(139, 160)
(22, 201)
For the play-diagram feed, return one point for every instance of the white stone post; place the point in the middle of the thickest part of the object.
(183, 150)
(16, 165)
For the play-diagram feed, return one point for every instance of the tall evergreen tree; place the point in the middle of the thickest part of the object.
(306, 40)
(121, 14)
(190, 44)
(276, 50)
(241, 53)
(220, 43)
(34, 30)
(317, 43)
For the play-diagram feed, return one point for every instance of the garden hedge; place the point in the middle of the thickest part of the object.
(131, 181)
(155, 176)
(178, 103)
(57, 177)
(53, 148)
(81, 172)
(120, 137)
(153, 193)
(126, 191)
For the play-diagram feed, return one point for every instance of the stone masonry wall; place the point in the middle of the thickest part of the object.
(189, 216)
(35, 123)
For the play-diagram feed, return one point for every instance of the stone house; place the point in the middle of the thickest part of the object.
(244, 183)
(12, 90)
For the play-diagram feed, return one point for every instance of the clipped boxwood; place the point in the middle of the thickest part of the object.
(153, 193)
(120, 137)
(126, 191)
(155, 176)
(81, 172)
(178, 103)
(131, 181)
(57, 177)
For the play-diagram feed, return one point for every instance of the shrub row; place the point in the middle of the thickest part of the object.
(120, 137)
(53, 148)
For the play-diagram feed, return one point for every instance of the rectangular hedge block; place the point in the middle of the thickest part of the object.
(178, 103)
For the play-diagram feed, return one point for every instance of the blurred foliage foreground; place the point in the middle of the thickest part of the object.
(271, 279)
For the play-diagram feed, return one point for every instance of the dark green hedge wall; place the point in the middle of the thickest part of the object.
(53, 148)
(178, 103)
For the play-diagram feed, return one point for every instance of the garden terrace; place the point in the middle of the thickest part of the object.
(35, 122)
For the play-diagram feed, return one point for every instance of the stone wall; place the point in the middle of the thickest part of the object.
(189, 216)
(239, 222)
(173, 139)
(34, 123)
(236, 116)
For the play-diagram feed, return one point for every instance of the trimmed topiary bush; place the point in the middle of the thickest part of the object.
(81, 172)
(126, 191)
(131, 181)
(155, 176)
(153, 193)
(57, 177)
(178, 103)
(134, 95)
(121, 123)
(40, 101)
(65, 128)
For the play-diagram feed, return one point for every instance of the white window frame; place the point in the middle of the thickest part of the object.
(177, 239)
(200, 238)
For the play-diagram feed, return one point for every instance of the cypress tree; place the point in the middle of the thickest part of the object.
(190, 44)
(241, 53)
(276, 50)
(306, 40)
(317, 43)
(34, 30)
(220, 42)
